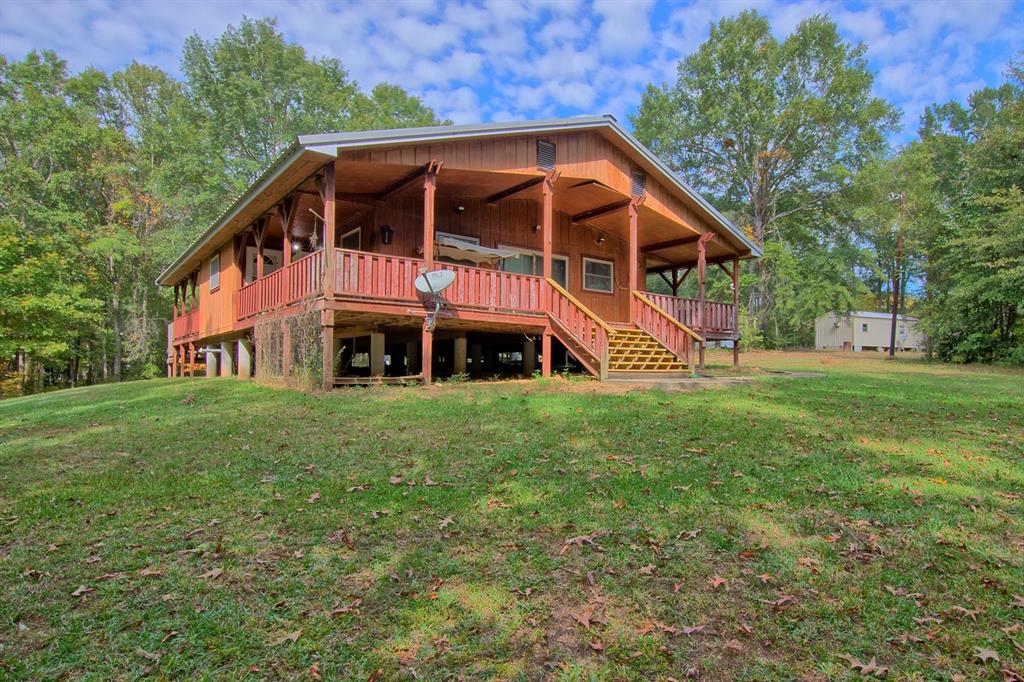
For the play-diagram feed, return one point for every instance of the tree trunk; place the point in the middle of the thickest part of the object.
(897, 276)
(115, 310)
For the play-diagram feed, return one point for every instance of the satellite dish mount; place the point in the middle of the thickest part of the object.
(430, 284)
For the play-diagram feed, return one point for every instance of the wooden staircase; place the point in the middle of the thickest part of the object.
(631, 349)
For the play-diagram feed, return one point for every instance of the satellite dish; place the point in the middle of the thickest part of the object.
(434, 281)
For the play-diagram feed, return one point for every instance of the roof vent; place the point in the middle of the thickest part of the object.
(545, 155)
(639, 180)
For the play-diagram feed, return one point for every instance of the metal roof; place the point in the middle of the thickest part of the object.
(328, 144)
(870, 314)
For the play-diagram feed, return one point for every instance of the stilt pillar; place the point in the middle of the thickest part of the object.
(427, 355)
(227, 363)
(411, 357)
(476, 358)
(329, 343)
(545, 354)
(459, 360)
(529, 357)
(245, 358)
(376, 354)
(211, 363)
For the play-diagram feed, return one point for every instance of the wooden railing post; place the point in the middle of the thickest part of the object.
(634, 251)
(329, 229)
(547, 221)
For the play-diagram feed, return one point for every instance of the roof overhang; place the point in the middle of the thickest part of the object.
(319, 149)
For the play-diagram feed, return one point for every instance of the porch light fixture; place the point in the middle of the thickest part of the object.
(387, 233)
(600, 239)
(536, 228)
(460, 209)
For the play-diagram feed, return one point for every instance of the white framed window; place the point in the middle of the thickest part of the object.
(215, 272)
(353, 239)
(458, 237)
(598, 275)
(864, 327)
(532, 263)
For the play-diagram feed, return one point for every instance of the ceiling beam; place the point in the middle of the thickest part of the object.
(404, 182)
(515, 189)
(600, 211)
(680, 241)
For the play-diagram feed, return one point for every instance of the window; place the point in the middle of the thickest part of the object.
(864, 327)
(215, 272)
(458, 237)
(353, 239)
(598, 275)
(532, 263)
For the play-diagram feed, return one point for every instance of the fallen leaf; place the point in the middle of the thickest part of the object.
(142, 653)
(83, 590)
(290, 637)
(151, 571)
(584, 615)
(395, 480)
(717, 581)
(985, 655)
(596, 645)
(445, 522)
(869, 668)
(649, 569)
(688, 534)
(314, 671)
(212, 574)
(315, 497)
(692, 629)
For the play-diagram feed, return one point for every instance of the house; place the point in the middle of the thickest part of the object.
(861, 330)
(550, 228)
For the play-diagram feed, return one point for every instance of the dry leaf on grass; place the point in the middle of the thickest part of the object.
(315, 497)
(212, 574)
(869, 668)
(289, 637)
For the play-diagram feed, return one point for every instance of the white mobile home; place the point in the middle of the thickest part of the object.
(862, 330)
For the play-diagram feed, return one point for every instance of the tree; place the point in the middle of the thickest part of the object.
(772, 130)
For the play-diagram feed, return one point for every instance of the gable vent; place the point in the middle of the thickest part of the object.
(545, 155)
(639, 180)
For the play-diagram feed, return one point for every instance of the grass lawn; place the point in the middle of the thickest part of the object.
(815, 528)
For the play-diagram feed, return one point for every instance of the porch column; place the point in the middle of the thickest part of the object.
(529, 357)
(174, 360)
(259, 231)
(245, 358)
(427, 342)
(411, 351)
(545, 354)
(701, 274)
(330, 346)
(211, 364)
(548, 222)
(328, 245)
(459, 361)
(634, 253)
(376, 354)
(192, 359)
(227, 363)
(736, 311)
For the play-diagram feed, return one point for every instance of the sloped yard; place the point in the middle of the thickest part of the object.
(866, 523)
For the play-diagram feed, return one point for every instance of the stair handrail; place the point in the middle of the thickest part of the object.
(658, 309)
(584, 309)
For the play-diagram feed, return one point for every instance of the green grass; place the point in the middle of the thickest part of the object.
(837, 510)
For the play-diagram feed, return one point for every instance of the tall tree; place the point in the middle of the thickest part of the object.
(772, 129)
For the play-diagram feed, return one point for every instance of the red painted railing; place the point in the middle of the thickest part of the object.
(718, 317)
(187, 324)
(375, 275)
(282, 287)
(668, 331)
(587, 330)
(494, 289)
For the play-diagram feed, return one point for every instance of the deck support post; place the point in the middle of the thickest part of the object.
(459, 359)
(227, 363)
(411, 351)
(427, 355)
(429, 190)
(634, 252)
(376, 354)
(212, 368)
(174, 360)
(545, 354)
(476, 357)
(330, 348)
(529, 357)
(286, 349)
(192, 357)
(328, 245)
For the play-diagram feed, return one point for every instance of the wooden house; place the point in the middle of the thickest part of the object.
(551, 228)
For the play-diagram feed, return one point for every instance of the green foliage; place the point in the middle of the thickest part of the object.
(104, 178)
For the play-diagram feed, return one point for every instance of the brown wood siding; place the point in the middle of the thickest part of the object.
(217, 308)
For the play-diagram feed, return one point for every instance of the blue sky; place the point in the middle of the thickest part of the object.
(506, 59)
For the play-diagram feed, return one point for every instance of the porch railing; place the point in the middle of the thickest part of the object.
(375, 275)
(668, 331)
(495, 289)
(577, 322)
(186, 324)
(282, 287)
(718, 317)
